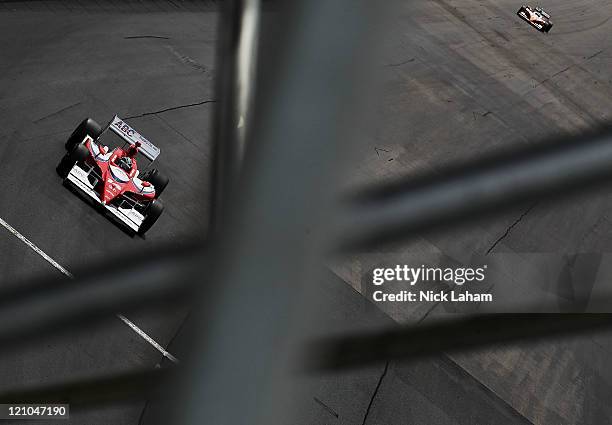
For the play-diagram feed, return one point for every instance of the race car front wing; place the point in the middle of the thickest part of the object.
(79, 179)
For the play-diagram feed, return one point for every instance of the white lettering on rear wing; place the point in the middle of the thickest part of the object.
(131, 136)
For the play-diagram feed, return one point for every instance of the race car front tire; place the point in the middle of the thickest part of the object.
(87, 127)
(153, 211)
(157, 179)
(78, 153)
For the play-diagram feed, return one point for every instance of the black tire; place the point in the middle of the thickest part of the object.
(157, 179)
(153, 211)
(78, 153)
(88, 127)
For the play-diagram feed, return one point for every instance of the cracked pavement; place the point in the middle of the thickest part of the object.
(509, 228)
(173, 108)
(375, 393)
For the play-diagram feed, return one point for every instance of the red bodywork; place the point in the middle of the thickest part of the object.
(113, 184)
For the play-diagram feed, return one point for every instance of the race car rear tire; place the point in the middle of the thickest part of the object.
(87, 127)
(153, 211)
(157, 179)
(78, 153)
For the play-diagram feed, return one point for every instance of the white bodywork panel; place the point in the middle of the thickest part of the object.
(128, 216)
(141, 187)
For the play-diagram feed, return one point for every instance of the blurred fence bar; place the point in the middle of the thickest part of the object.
(71, 304)
(96, 390)
(488, 185)
(413, 343)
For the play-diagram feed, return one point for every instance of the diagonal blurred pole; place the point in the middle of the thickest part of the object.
(291, 152)
(235, 86)
(549, 170)
(413, 343)
(236, 61)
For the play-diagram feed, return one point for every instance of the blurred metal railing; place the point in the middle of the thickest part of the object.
(245, 291)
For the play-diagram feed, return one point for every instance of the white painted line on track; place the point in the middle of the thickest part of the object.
(58, 266)
(35, 248)
(147, 338)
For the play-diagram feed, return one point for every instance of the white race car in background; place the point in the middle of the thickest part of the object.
(536, 16)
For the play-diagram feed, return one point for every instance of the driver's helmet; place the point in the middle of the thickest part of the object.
(133, 150)
(125, 163)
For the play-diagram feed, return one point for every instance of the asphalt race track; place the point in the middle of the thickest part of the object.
(61, 62)
(464, 78)
(461, 78)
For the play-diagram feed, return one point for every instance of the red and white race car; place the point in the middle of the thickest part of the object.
(111, 178)
(536, 16)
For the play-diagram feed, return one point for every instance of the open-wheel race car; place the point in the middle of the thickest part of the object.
(536, 16)
(111, 178)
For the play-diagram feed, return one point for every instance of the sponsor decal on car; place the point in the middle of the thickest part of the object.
(131, 136)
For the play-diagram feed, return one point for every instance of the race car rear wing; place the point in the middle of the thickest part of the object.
(543, 12)
(131, 136)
